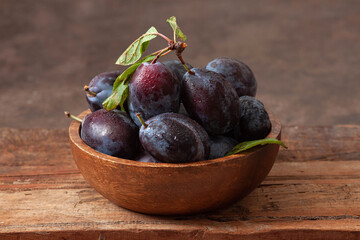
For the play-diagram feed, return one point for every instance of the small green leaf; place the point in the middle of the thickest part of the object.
(250, 144)
(136, 49)
(121, 88)
(176, 29)
(117, 98)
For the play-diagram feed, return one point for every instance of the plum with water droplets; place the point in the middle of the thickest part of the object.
(254, 122)
(153, 90)
(210, 100)
(174, 138)
(111, 132)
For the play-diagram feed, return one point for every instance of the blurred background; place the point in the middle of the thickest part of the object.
(305, 54)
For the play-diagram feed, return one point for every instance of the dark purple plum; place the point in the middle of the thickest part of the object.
(194, 126)
(102, 85)
(112, 133)
(153, 90)
(254, 122)
(176, 67)
(146, 157)
(210, 100)
(237, 73)
(221, 145)
(174, 138)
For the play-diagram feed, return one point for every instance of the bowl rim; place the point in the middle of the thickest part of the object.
(74, 135)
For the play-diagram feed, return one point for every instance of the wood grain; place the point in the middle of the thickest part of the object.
(312, 192)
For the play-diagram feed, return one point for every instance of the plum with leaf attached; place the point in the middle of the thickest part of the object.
(149, 86)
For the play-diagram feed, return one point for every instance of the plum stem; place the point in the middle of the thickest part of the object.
(165, 37)
(160, 53)
(69, 115)
(91, 93)
(180, 47)
(141, 120)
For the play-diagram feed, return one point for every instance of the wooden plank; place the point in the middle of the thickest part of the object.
(325, 143)
(267, 203)
(265, 211)
(305, 196)
(34, 151)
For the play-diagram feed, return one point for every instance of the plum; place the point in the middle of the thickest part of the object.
(220, 145)
(100, 88)
(210, 100)
(153, 90)
(174, 138)
(237, 73)
(111, 132)
(254, 122)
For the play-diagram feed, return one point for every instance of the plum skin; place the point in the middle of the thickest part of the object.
(102, 85)
(111, 132)
(221, 145)
(237, 73)
(174, 138)
(153, 90)
(210, 100)
(254, 122)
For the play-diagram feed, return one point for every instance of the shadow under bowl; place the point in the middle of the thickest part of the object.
(174, 189)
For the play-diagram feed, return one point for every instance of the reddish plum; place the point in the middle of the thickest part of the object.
(153, 90)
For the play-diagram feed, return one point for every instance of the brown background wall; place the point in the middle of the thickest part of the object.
(305, 54)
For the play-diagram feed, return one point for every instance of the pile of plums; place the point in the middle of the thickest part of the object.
(175, 116)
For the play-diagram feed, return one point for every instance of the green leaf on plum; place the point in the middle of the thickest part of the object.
(133, 53)
(117, 98)
(176, 29)
(250, 144)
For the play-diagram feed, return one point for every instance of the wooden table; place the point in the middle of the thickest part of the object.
(312, 192)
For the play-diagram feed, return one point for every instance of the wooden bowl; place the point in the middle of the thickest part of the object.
(173, 189)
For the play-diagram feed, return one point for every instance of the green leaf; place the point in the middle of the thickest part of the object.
(117, 98)
(136, 49)
(250, 144)
(121, 88)
(176, 29)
